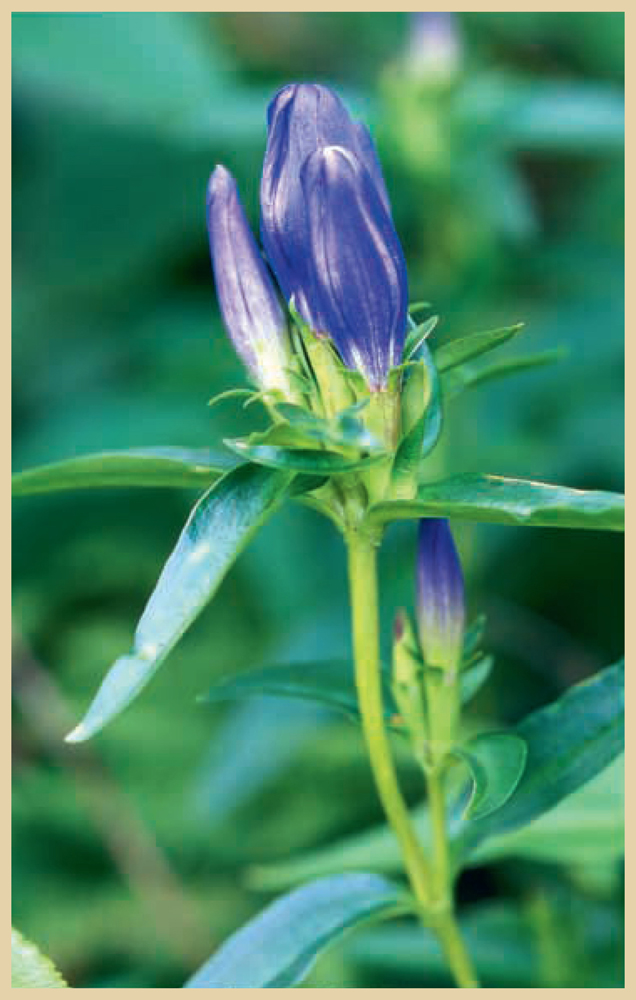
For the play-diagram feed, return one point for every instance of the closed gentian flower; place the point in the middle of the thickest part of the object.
(357, 284)
(249, 304)
(440, 595)
(298, 204)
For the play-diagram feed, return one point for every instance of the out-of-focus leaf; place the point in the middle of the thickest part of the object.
(30, 969)
(582, 117)
(330, 682)
(119, 65)
(473, 677)
(568, 742)
(501, 500)
(456, 352)
(278, 947)
(496, 762)
(169, 466)
(496, 935)
(218, 529)
(467, 378)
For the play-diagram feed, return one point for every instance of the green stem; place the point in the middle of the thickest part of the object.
(364, 609)
(432, 888)
(442, 909)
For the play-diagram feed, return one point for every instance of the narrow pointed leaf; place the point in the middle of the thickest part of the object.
(459, 379)
(330, 682)
(169, 466)
(456, 352)
(30, 969)
(496, 762)
(218, 529)
(278, 947)
(416, 337)
(500, 500)
(474, 676)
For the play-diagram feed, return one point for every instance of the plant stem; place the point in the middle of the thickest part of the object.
(363, 585)
(442, 909)
(432, 888)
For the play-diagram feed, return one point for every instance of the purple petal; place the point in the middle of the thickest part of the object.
(249, 305)
(303, 118)
(440, 594)
(357, 282)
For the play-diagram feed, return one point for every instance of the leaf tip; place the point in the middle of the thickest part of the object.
(77, 735)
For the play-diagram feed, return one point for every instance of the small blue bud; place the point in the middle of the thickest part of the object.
(440, 595)
(249, 305)
(357, 287)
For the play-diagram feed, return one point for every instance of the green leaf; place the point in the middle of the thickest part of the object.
(136, 467)
(278, 947)
(500, 500)
(218, 529)
(586, 828)
(497, 938)
(30, 969)
(568, 743)
(424, 434)
(343, 431)
(416, 337)
(330, 682)
(474, 676)
(456, 381)
(300, 459)
(456, 352)
(496, 762)
(552, 797)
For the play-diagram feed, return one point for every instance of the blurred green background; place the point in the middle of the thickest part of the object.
(502, 144)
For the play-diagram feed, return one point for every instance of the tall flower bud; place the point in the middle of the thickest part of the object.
(440, 595)
(249, 305)
(357, 285)
(304, 184)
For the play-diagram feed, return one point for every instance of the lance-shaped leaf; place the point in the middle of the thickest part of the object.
(456, 352)
(501, 500)
(278, 947)
(219, 527)
(137, 467)
(30, 969)
(328, 682)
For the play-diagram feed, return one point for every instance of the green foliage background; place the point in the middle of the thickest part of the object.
(137, 855)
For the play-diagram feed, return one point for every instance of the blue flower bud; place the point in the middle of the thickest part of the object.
(440, 595)
(435, 47)
(249, 305)
(305, 120)
(357, 285)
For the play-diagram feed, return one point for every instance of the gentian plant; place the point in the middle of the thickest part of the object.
(354, 399)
